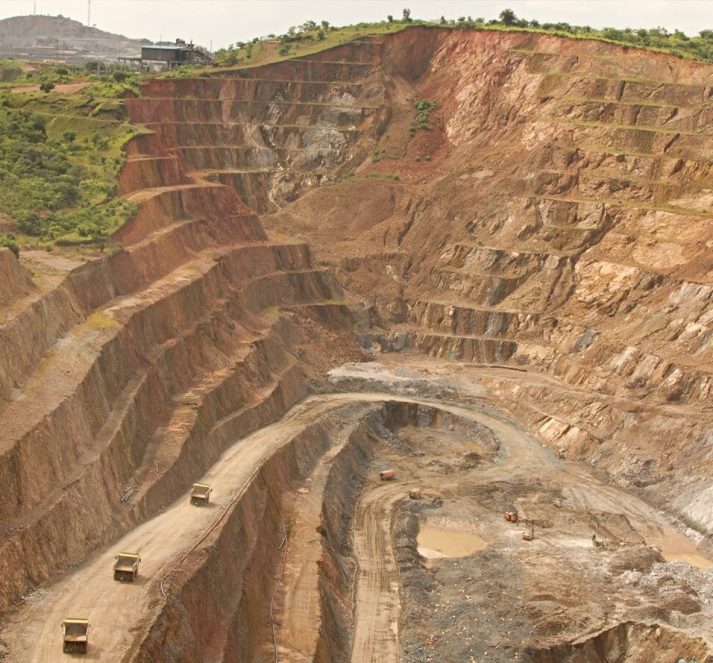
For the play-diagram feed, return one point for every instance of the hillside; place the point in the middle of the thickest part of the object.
(56, 37)
(377, 297)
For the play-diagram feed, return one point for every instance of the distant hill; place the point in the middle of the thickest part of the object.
(56, 37)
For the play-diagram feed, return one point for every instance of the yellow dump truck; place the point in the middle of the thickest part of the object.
(200, 495)
(126, 567)
(74, 636)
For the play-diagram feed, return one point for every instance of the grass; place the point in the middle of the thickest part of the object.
(268, 51)
(305, 40)
(60, 157)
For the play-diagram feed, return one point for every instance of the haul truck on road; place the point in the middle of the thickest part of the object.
(200, 495)
(126, 567)
(74, 636)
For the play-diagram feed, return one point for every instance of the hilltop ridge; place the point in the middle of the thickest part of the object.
(37, 37)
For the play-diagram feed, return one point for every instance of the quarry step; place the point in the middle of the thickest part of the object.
(142, 195)
(636, 205)
(65, 368)
(266, 102)
(632, 129)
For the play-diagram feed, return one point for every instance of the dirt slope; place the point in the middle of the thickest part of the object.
(531, 246)
(556, 216)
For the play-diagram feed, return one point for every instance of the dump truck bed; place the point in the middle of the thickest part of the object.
(75, 630)
(126, 561)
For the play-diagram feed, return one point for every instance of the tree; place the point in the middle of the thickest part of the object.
(325, 25)
(407, 15)
(47, 86)
(390, 18)
(508, 17)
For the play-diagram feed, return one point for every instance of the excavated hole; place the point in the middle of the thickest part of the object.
(629, 642)
(424, 444)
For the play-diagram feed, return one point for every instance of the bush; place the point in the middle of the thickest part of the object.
(423, 115)
(52, 188)
(9, 242)
(47, 86)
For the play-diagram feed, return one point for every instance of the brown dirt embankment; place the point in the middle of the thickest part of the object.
(15, 282)
(629, 642)
(337, 569)
(219, 595)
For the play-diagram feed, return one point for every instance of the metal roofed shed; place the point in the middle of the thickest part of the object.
(168, 56)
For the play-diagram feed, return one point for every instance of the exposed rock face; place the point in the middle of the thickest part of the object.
(124, 378)
(15, 282)
(556, 217)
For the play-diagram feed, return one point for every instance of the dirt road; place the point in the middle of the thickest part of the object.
(376, 633)
(114, 609)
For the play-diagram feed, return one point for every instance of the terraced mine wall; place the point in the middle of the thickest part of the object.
(124, 377)
(219, 598)
(556, 217)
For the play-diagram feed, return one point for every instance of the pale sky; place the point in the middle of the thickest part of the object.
(221, 22)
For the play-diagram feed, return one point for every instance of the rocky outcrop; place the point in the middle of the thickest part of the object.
(555, 218)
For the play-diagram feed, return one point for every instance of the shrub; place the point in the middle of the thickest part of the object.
(9, 242)
(47, 86)
(423, 115)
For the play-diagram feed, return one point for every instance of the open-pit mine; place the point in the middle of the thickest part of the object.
(406, 355)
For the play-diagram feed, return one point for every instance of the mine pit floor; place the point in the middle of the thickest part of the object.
(440, 578)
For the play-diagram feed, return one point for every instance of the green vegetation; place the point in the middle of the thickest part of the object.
(9, 242)
(311, 37)
(103, 80)
(59, 163)
(423, 115)
(659, 39)
(10, 71)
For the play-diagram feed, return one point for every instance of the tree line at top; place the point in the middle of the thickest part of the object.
(677, 42)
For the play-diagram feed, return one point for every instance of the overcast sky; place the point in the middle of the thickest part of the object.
(222, 22)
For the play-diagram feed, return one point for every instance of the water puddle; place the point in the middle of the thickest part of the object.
(675, 547)
(437, 542)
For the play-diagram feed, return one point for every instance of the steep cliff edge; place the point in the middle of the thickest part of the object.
(551, 210)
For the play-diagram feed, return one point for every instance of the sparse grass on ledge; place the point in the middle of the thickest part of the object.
(311, 38)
